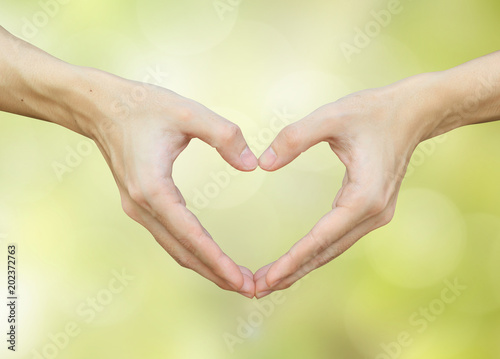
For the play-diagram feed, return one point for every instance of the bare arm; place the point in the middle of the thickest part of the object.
(374, 133)
(140, 129)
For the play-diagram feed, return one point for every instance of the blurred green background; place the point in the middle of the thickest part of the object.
(261, 64)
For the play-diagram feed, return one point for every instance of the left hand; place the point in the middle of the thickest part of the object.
(374, 134)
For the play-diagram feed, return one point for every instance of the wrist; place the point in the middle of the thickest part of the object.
(420, 106)
(67, 98)
(38, 85)
(438, 114)
(92, 103)
(35, 84)
(463, 96)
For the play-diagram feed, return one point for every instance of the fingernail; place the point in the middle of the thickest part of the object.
(248, 159)
(247, 289)
(268, 158)
(248, 295)
(263, 294)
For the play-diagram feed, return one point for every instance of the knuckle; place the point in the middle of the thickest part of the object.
(322, 242)
(229, 133)
(290, 136)
(185, 113)
(186, 243)
(376, 206)
(189, 238)
(185, 262)
(373, 205)
(332, 252)
(130, 209)
(147, 192)
(341, 247)
(323, 259)
(137, 195)
(385, 218)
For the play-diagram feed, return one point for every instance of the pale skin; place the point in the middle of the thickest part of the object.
(140, 130)
(374, 133)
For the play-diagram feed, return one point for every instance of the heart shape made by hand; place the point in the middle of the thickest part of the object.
(366, 199)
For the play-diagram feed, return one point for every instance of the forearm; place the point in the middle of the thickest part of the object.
(38, 85)
(465, 95)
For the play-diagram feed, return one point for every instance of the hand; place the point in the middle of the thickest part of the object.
(141, 129)
(140, 136)
(374, 134)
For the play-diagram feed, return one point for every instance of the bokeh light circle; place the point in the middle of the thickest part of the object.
(185, 27)
(423, 244)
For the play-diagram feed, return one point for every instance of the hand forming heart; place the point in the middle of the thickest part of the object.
(372, 132)
(374, 135)
(141, 129)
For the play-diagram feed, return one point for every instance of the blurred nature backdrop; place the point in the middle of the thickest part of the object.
(425, 286)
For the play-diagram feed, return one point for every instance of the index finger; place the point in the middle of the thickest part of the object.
(329, 229)
(168, 208)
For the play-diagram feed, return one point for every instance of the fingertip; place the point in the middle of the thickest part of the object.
(235, 279)
(248, 159)
(261, 287)
(261, 295)
(248, 295)
(275, 273)
(248, 288)
(267, 277)
(246, 271)
(267, 159)
(262, 272)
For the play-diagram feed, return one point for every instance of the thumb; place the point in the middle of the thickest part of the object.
(227, 139)
(291, 141)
